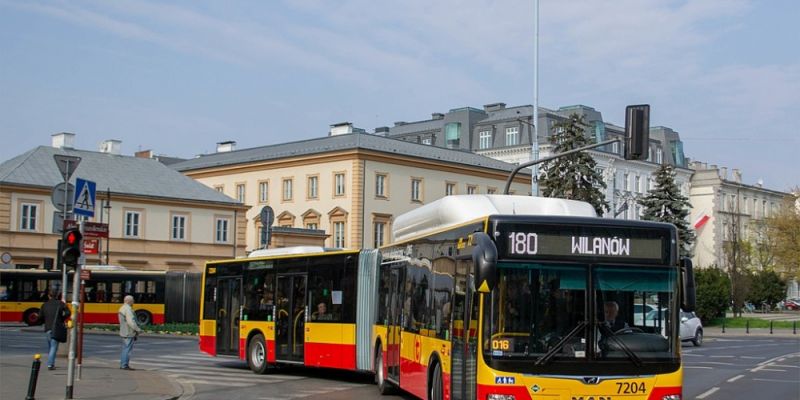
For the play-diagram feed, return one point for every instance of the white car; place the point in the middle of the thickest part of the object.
(691, 329)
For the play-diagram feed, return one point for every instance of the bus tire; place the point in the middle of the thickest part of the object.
(143, 317)
(31, 317)
(435, 386)
(384, 387)
(257, 354)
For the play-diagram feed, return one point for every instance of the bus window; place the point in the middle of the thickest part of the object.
(210, 297)
(259, 291)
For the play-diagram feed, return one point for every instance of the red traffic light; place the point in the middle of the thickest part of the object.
(72, 238)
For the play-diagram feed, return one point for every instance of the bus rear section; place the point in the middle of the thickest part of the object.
(290, 307)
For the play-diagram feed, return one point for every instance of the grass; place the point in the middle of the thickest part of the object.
(741, 322)
(171, 328)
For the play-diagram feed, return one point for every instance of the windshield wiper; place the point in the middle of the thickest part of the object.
(543, 360)
(625, 349)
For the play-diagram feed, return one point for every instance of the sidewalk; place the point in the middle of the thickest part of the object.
(99, 380)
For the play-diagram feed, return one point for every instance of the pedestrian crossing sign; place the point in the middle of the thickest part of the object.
(84, 202)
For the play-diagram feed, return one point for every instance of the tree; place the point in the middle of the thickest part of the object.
(573, 176)
(784, 229)
(713, 288)
(767, 287)
(665, 203)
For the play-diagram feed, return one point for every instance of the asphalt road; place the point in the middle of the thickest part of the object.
(729, 367)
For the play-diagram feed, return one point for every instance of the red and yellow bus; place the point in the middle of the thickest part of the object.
(22, 292)
(301, 305)
(505, 297)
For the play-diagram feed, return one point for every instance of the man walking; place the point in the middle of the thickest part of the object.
(53, 313)
(129, 330)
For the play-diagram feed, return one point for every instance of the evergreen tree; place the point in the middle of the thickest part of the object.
(665, 203)
(574, 176)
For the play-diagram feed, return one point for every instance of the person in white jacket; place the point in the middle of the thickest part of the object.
(129, 330)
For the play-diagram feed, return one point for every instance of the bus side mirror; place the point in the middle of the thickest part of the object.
(484, 260)
(689, 296)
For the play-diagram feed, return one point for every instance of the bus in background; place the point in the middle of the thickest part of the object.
(159, 296)
(298, 305)
(513, 297)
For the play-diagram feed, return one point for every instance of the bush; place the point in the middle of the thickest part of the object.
(713, 292)
(767, 287)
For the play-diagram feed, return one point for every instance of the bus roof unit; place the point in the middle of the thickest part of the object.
(455, 210)
(282, 251)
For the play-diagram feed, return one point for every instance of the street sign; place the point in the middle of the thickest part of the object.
(66, 164)
(86, 274)
(84, 203)
(69, 224)
(267, 218)
(95, 230)
(58, 196)
(58, 221)
(90, 246)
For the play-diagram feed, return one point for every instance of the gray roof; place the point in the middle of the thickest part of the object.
(508, 113)
(120, 174)
(340, 143)
(417, 126)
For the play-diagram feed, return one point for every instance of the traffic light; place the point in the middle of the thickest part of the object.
(637, 132)
(71, 247)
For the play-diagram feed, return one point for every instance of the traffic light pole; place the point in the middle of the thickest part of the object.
(73, 332)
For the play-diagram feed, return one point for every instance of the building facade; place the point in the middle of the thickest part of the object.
(506, 134)
(157, 218)
(726, 209)
(349, 184)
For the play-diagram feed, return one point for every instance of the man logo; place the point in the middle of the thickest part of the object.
(591, 380)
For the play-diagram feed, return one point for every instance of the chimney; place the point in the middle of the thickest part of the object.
(760, 182)
(737, 175)
(398, 123)
(110, 146)
(63, 140)
(723, 173)
(341, 128)
(226, 146)
(382, 131)
(494, 107)
(144, 154)
(437, 116)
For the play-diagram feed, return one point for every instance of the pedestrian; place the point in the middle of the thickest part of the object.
(129, 331)
(53, 314)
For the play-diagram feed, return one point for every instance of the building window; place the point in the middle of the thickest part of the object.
(491, 190)
(339, 184)
(659, 156)
(132, 223)
(637, 182)
(427, 141)
(380, 185)
(338, 234)
(178, 227)
(380, 232)
(627, 182)
(287, 189)
(28, 217)
(263, 192)
(312, 225)
(416, 189)
(449, 189)
(485, 140)
(313, 187)
(472, 189)
(240, 193)
(452, 135)
(615, 147)
(512, 136)
(220, 188)
(221, 230)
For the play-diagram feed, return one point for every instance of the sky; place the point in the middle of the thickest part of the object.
(177, 77)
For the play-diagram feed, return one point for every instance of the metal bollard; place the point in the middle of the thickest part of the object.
(770, 327)
(34, 377)
(747, 326)
(794, 327)
(723, 324)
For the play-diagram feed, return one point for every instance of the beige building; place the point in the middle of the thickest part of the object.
(158, 219)
(349, 185)
(725, 208)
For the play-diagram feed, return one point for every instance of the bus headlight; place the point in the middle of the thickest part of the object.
(495, 396)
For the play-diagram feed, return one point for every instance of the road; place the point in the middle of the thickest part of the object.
(723, 368)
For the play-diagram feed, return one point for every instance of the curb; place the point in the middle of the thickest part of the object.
(116, 333)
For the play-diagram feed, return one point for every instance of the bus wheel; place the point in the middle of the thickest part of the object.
(31, 317)
(257, 354)
(384, 387)
(436, 390)
(143, 317)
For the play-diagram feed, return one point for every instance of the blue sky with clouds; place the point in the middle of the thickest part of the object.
(178, 77)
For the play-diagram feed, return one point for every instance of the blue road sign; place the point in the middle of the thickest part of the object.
(84, 197)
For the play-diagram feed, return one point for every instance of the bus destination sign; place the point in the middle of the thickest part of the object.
(579, 242)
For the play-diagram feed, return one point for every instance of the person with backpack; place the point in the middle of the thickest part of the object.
(53, 313)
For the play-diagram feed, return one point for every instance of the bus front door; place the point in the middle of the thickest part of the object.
(464, 336)
(291, 317)
(394, 327)
(229, 295)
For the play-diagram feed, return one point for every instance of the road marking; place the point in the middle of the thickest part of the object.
(689, 367)
(775, 380)
(722, 356)
(735, 378)
(778, 357)
(772, 370)
(218, 383)
(707, 393)
(751, 358)
(785, 366)
(714, 363)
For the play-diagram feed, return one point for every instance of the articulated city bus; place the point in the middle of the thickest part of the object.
(159, 296)
(301, 305)
(511, 297)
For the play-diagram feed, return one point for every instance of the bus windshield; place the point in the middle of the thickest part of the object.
(548, 313)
